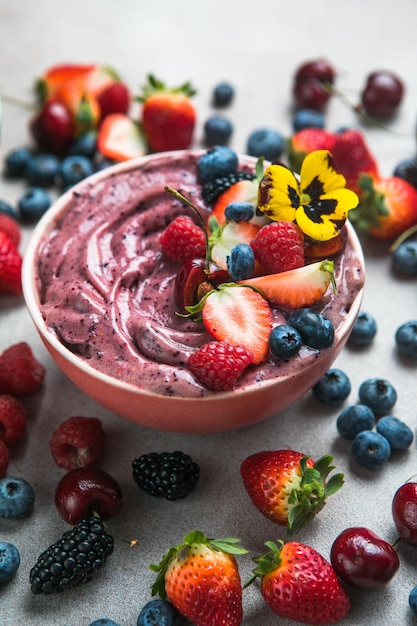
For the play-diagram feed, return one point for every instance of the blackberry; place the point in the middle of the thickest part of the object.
(212, 189)
(73, 559)
(169, 475)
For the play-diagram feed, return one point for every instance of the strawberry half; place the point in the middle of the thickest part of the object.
(240, 316)
(119, 138)
(242, 191)
(297, 288)
(223, 239)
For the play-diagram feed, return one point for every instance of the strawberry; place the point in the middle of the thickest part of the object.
(13, 419)
(77, 442)
(387, 209)
(183, 239)
(279, 246)
(10, 267)
(241, 191)
(238, 315)
(4, 459)
(119, 138)
(298, 583)
(80, 102)
(223, 239)
(114, 99)
(219, 364)
(168, 116)
(288, 487)
(10, 227)
(57, 75)
(305, 141)
(20, 372)
(296, 288)
(352, 158)
(200, 577)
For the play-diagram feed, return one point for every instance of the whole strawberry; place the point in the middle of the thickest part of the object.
(168, 116)
(200, 578)
(20, 371)
(10, 267)
(288, 487)
(298, 583)
(353, 158)
(77, 442)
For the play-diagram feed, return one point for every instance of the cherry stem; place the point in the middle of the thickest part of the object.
(405, 235)
(132, 542)
(27, 106)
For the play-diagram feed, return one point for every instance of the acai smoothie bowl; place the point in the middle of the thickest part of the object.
(197, 291)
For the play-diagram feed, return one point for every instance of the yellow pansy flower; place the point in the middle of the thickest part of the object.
(318, 202)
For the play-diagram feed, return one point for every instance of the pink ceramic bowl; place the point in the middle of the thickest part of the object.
(215, 412)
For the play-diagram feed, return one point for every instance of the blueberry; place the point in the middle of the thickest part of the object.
(41, 170)
(239, 211)
(84, 145)
(333, 386)
(397, 433)
(407, 170)
(7, 208)
(267, 143)
(364, 330)
(378, 394)
(73, 169)
(241, 262)
(316, 330)
(159, 613)
(33, 203)
(307, 118)
(17, 498)
(15, 162)
(404, 258)
(223, 94)
(406, 339)
(9, 561)
(217, 131)
(412, 601)
(217, 162)
(103, 621)
(285, 341)
(370, 450)
(353, 420)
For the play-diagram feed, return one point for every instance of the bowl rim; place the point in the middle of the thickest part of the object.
(48, 221)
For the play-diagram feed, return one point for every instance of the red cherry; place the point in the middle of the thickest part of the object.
(319, 69)
(382, 94)
(53, 127)
(363, 560)
(404, 512)
(310, 94)
(85, 490)
(191, 278)
(114, 99)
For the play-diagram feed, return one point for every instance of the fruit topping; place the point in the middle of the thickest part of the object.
(74, 559)
(213, 188)
(279, 247)
(183, 239)
(77, 442)
(219, 364)
(169, 475)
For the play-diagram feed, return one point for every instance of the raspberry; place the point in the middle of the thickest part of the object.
(13, 418)
(169, 475)
(77, 442)
(10, 267)
(279, 246)
(10, 227)
(183, 240)
(4, 458)
(73, 559)
(219, 364)
(20, 372)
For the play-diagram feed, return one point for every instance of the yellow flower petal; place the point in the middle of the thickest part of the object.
(318, 174)
(278, 195)
(324, 218)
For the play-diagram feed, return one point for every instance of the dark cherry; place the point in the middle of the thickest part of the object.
(53, 128)
(310, 94)
(192, 281)
(319, 69)
(404, 512)
(363, 560)
(87, 490)
(382, 94)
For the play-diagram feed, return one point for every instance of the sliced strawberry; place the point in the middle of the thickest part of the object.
(239, 315)
(58, 75)
(296, 288)
(242, 191)
(119, 138)
(223, 240)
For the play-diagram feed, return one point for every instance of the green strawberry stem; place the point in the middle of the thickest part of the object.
(229, 545)
(267, 562)
(371, 206)
(154, 85)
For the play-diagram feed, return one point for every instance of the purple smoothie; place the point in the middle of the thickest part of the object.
(106, 288)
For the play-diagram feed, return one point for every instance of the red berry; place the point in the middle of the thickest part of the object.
(53, 127)
(4, 459)
(114, 99)
(219, 364)
(10, 227)
(20, 372)
(382, 94)
(83, 491)
(279, 246)
(13, 418)
(404, 512)
(192, 281)
(77, 442)
(183, 239)
(10, 267)
(364, 560)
